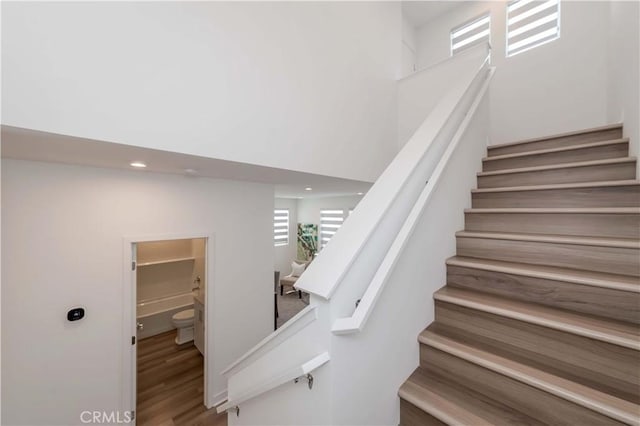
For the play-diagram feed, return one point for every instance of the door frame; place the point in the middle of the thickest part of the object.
(129, 304)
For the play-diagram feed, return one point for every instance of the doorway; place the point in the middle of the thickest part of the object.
(168, 306)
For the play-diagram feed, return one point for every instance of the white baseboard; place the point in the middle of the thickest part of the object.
(218, 399)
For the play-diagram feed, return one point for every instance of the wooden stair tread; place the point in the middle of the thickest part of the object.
(560, 149)
(454, 404)
(600, 402)
(439, 407)
(558, 135)
(554, 239)
(595, 279)
(525, 331)
(558, 166)
(557, 210)
(578, 185)
(616, 333)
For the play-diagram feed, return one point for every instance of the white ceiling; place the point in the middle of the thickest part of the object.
(420, 12)
(26, 144)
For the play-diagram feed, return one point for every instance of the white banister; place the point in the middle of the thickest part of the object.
(291, 327)
(408, 213)
(356, 322)
(387, 203)
(291, 374)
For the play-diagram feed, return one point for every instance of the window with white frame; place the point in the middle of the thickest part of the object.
(531, 23)
(330, 222)
(472, 33)
(280, 227)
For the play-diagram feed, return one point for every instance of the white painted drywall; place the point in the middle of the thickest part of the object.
(284, 255)
(296, 345)
(363, 381)
(557, 87)
(406, 305)
(420, 92)
(398, 319)
(62, 246)
(306, 86)
(408, 57)
(624, 71)
(165, 279)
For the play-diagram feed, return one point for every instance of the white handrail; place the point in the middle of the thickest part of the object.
(277, 380)
(360, 258)
(356, 322)
(441, 62)
(347, 247)
(289, 328)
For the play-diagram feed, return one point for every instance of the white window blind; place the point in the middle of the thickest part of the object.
(531, 23)
(280, 227)
(471, 33)
(330, 222)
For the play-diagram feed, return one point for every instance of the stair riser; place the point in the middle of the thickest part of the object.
(593, 173)
(440, 398)
(615, 260)
(610, 196)
(608, 368)
(618, 150)
(526, 399)
(603, 302)
(410, 415)
(598, 136)
(585, 224)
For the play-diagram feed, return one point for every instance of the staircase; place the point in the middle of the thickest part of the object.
(539, 320)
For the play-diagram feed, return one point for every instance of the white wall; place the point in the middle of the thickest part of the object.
(420, 92)
(305, 86)
(284, 255)
(388, 344)
(62, 246)
(560, 86)
(164, 279)
(408, 49)
(623, 70)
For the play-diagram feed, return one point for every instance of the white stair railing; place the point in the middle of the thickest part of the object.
(364, 308)
(372, 251)
(295, 373)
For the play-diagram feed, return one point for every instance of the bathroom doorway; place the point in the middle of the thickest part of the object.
(168, 321)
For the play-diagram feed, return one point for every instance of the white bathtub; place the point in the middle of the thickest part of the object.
(155, 315)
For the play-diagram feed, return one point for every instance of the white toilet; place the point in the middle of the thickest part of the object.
(183, 321)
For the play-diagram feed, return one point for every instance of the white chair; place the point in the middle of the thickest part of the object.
(290, 280)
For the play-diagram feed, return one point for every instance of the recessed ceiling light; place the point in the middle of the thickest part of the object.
(138, 164)
(190, 172)
(308, 188)
(360, 193)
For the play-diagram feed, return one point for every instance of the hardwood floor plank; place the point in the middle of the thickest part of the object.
(536, 403)
(538, 322)
(599, 365)
(555, 141)
(171, 385)
(568, 154)
(621, 193)
(587, 171)
(584, 397)
(600, 301)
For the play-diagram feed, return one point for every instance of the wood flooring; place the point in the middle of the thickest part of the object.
(171, 385)
(538, 320)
